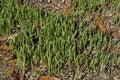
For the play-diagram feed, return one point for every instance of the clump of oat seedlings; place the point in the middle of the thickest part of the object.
(62, 44)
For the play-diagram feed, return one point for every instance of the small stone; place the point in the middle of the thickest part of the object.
(49, 1)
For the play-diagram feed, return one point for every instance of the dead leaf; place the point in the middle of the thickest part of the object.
(37, 69)
(5, 56)
(48, 78)
(109, 32)
(116, 35)
(102, 27)
(5, 47)
(68, 1)
(108, 5)
(99, 22)
(88, 78)
(21, 76)
(105, 18)
(11, 71)
(67, 9)
(12, 61)
(54, 1)
(55, 8)
(115, 49)
(119, 30)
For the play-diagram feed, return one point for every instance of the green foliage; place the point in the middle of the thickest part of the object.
(58, 41)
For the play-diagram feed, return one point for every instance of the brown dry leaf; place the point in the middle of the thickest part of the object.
(105, 18)
(54, 1)
(12, 61)
(88, 78)
(102, 27)
(5, 56)
(99, 22)
(11, 71)
(68, 1)
(5, 47)
(108, 5)
(115, 49)
(55, 8)
(21, 76)
(48, 78)
(119, 30)
(116, 35)
(37, 69)
(109, 30)
(67, 9)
